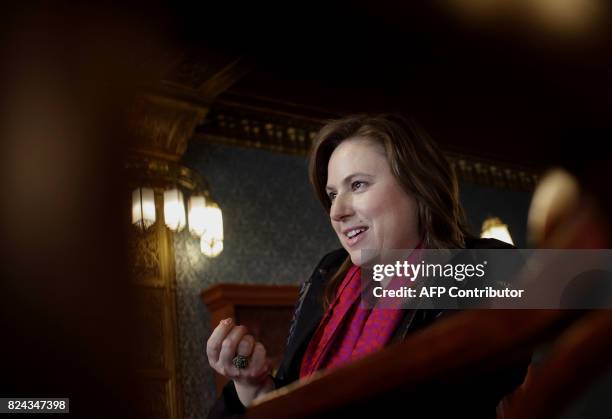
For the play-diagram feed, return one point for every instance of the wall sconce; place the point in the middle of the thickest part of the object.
(174, 209)
(493, 228)
(197, 215)
(211, 242)
(204, 218)
(204, 221)
(211, 248)
(143, 208)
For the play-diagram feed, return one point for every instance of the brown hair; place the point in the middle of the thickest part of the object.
(416, 162)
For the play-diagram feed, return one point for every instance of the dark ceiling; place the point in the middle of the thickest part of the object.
(501, 85)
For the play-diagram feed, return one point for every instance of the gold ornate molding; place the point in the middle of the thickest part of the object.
(162, 125)
(491, 173)
(153, 275)
(247, 126)
(160, 174)
(163, 119)
(145, 266)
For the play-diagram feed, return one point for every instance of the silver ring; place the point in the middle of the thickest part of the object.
(240, 362)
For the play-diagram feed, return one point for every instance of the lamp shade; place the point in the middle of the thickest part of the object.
(143, 208)
(211, 243)
(214, 222)
(174, 209)
(211, 248)
(197, 215)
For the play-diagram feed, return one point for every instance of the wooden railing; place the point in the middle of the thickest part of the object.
(427, 372)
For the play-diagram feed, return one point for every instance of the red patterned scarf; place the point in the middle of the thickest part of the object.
(347, 330)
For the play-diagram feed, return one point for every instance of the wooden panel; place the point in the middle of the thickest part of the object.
(265, 310)
(269, 325)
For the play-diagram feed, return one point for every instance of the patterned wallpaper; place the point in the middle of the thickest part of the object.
(275, 232)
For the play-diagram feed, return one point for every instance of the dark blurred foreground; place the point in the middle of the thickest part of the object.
(67, 75)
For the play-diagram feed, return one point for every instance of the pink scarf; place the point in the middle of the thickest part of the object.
(348, 331)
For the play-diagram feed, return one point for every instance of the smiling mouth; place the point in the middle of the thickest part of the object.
(355, 235)
(355, 232)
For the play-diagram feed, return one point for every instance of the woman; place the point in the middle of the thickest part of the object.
(385, 185)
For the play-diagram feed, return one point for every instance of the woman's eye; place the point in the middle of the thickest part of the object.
(357, 184)
(331, 195)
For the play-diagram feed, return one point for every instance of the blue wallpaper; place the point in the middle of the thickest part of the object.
(275, 232)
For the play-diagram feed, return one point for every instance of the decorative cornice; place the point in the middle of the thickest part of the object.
(161, 126)
(267, 129)
(258, 129)
(164, 117)
(491, 173)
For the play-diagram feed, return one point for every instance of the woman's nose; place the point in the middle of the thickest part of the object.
(341, 208)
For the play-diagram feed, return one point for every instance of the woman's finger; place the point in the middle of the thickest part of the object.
(213, 345)
(258, 364)
(245, 347)
(228, 349)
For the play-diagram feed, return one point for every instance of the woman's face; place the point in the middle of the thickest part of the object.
(370, 210)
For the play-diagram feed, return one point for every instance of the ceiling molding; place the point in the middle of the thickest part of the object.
(281, 132)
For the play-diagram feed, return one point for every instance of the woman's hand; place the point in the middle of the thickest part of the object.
(229, 340)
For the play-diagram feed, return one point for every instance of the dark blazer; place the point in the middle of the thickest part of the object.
(309, 311)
